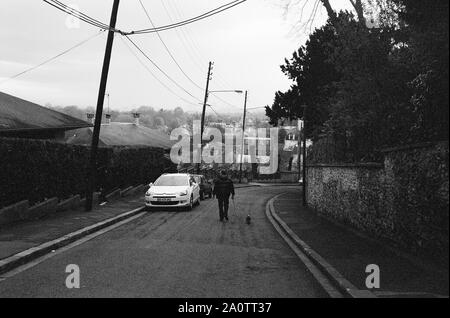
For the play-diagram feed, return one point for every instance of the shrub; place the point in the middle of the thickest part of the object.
(35, 170)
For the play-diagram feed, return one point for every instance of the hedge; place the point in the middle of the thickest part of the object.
(35, 170)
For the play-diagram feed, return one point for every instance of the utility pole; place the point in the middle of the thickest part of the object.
(305, 203)
(205, 103)
(243, 137)
(92, 171)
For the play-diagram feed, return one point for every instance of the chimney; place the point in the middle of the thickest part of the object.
(90, 117)
(108, 119)
(136, 117)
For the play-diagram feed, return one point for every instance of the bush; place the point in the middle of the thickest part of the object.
(35, 170)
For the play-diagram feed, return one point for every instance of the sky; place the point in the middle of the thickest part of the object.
(247, 44)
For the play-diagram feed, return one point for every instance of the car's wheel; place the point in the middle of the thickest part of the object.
(191, 203)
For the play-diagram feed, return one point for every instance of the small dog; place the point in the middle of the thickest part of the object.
(248, 219)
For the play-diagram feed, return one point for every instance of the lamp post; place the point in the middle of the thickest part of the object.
(228, 91)
(300, 126)
(305, 203)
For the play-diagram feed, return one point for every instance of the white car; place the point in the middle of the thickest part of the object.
(173, 190)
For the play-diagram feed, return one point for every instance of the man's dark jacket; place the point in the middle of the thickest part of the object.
(223, 188)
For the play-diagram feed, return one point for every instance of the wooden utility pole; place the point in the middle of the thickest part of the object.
(202, 129)
(92, 171)
(243, 137)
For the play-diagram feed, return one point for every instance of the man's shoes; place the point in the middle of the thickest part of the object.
(226, 218)
(221, 220)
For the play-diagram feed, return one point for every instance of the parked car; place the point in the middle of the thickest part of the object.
(173, 190)
(205, 186)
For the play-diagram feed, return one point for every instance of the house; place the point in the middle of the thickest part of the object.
(23, 119)
(114, 134)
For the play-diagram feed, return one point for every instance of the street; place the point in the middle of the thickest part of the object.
(179, 254)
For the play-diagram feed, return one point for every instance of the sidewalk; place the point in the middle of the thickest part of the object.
(350, 253)
(23, 235)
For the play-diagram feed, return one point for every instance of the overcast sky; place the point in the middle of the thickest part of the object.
(247, 44)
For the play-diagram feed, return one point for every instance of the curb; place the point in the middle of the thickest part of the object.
(276, 185)
(336, 278)
(237, 186)
(21, 258)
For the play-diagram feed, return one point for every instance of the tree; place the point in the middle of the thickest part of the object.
(315, 76)
(427, 26)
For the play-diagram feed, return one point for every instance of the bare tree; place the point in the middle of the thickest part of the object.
(357, 5)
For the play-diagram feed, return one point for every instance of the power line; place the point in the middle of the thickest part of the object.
(154, 76)
(184, 40)
(185, 32)
(187, 39)
(214, 111)
(177, 13)
(191, 20)
(224, 101)
(79, 15)
(51, 59)
(167, 49)
(190, 40)
(85, 18)
(161, 70)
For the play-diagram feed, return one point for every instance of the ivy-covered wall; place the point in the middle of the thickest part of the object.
(35, 170)
(405, 200)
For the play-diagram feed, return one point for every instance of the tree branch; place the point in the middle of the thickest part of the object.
(331, 13)
(359, 8)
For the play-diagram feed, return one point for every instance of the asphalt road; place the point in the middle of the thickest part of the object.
(179, 254)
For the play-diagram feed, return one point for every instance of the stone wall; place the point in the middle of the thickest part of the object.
(405, 199)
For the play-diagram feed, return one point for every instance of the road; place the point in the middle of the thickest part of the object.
(178, 254)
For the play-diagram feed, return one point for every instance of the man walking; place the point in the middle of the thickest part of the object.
(223, 188)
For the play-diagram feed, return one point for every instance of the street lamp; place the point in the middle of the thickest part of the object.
(253, 108)
(228, 91)
(304, 107)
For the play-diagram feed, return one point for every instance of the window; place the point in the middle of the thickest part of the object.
(171, 180)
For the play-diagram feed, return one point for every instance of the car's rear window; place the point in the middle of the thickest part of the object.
(167, 181)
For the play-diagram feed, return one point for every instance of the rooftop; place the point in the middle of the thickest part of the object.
(17, 114)
(123, 134)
